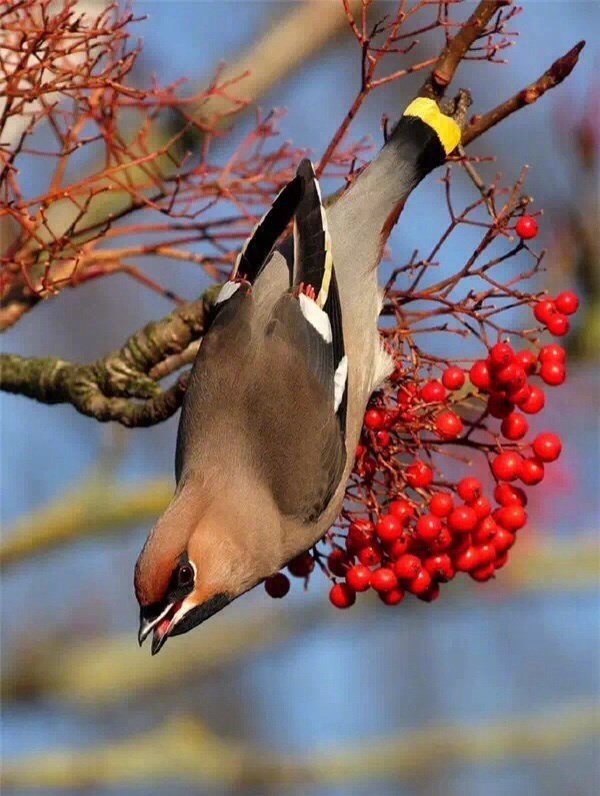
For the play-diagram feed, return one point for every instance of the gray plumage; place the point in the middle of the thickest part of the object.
(270, 424)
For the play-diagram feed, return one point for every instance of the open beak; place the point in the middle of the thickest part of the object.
(162, 625)
(177, 618)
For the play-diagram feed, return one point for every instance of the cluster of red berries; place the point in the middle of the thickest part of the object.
(552, 313)
(421, 533)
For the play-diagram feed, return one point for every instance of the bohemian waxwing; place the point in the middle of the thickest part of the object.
(277, 394)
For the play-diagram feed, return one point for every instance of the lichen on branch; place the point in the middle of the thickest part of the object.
(119, 386)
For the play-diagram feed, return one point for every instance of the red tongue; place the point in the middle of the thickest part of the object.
(162, 626)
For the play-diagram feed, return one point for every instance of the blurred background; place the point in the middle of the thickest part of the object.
(492, 690)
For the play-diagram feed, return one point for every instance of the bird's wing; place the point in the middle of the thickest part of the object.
(272, 391)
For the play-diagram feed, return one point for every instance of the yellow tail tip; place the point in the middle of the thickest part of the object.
(447, 129)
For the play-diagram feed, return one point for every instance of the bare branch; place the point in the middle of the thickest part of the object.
(551, 78)
(457, 48)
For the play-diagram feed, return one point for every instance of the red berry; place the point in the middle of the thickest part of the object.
(440, 567)
(484, 573)
(342, 596)
(389, 528)
(535, 402)
(544, 310)
(512, 517)
(406, 395)
(433, 392)
(392, 597)
(374, 419)
(383, 438)
(360, 451)
(506, 466)
(527, 360)
(462, 520)
(482, 507)
(277, 586)
(453, 378)
(526, 227)
(520, 395)
(553, 373)
(428, 527)
(558, 325)
(337, 562)
(531, 472)
(480, 375)
(547, 447)
(441, 504)
(511, 377)
(499, 406)
(470, 489)
(467, 560)
(567, 303)
(486, 553)
(360, 534)
(402, 510)
(448, 425)
(390, 417)
(514, 426)
(431, 594)
(384, 579)
(442, 542)
(419, 475)
(359, 577)
(370, 555)
(552, 353)
(397, 548)
(398, 374)
(501, 560)
(485, 531)
(505, 494)
(461, 543)
(503, 540)
(421, 584)
(407, 567)
(501, 354)
(367, 468)
(302, 565)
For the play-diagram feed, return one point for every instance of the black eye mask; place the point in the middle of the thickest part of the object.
(177, 591)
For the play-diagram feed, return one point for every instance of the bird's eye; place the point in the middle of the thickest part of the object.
(185, 575)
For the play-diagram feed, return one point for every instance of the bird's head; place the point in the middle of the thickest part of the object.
(196, 560)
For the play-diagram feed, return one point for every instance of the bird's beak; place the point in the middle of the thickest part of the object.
(179, 617)
(161, 625)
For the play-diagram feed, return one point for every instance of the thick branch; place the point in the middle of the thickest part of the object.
(103, 670)
(551, 78)
(105, 388)
(186, 751)
(442, 73)
(96, 508)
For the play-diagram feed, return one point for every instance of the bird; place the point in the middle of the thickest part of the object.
(276, 397)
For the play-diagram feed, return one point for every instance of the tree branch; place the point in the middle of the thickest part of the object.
(100, 671)
(186, 751)
(551, 78)
(104, 389)
(282, 49)
(442, 73)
